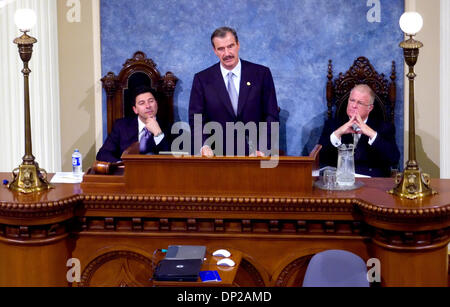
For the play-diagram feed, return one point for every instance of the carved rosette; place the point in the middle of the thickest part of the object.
(128, 268)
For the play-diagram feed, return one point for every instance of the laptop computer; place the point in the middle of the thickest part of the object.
(185, 252)
(178, 270)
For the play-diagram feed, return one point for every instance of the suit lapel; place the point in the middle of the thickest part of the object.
(244, 88)
(222, 92)
(132, 132)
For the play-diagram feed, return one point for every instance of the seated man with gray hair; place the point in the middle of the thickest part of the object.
(375, 146)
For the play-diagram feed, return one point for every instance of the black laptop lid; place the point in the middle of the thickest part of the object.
(186, 252)
(178, 270)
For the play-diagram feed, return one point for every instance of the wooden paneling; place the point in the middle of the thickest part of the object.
(114, 233)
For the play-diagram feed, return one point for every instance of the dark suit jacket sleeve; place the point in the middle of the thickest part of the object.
(269, 98)
(385, 145)
(164, 145)
(328, 153)
(196, 106)
(110, 151)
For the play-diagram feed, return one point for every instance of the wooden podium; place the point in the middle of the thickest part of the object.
(275, 218)
(218, 176)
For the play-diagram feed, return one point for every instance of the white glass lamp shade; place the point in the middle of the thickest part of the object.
(25, 19)
(411, 23)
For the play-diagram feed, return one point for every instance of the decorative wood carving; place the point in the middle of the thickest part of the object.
(294, 273)
(367, 221)
(206, 225)
(248, 276)
(40, 209)
(395, 214)
(265, 204)
(413, 240)
(124, 269)
(34, 234)
(116, 85)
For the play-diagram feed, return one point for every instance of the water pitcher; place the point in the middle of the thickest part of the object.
(345, 173)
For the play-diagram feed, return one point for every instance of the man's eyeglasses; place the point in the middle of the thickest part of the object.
(359, 103)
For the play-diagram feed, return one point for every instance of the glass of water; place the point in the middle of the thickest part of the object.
(329, 179)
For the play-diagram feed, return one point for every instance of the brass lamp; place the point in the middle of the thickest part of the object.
(28, 177)
(412, 183)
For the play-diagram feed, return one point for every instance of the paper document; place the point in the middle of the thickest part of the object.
(67, 177)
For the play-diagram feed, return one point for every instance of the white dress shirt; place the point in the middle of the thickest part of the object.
(236, 78)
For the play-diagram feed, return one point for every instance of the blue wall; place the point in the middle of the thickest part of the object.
(294, 38)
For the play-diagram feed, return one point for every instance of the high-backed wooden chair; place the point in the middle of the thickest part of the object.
(139, 70)
(361, 72)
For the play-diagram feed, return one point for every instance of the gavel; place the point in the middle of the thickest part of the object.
(102, 167)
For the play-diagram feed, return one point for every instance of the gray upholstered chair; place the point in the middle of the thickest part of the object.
(336, 268)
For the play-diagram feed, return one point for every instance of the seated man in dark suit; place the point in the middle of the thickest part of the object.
(375, 147)
(145, 128)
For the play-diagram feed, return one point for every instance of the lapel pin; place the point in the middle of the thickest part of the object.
(248, 84)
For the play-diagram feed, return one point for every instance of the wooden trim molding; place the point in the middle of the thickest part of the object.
(114, 234)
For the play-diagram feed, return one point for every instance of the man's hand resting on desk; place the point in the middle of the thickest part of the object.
(206, 151)
(257, 154)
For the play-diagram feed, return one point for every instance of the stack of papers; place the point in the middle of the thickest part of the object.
(67, 177)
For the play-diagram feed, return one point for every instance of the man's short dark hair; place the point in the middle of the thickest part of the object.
(141, 90)
(222, 32)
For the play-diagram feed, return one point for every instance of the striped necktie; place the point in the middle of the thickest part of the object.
(143, 142)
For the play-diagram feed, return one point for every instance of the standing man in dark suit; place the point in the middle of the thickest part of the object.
(375, 147)
(232, 91)
(145, 128)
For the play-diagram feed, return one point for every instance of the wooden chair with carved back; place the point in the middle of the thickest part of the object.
(137, 71)
(361, 72)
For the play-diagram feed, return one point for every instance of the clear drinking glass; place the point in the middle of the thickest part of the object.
(329, 179)
(345, 173)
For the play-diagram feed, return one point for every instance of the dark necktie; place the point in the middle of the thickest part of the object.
(143, 143)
